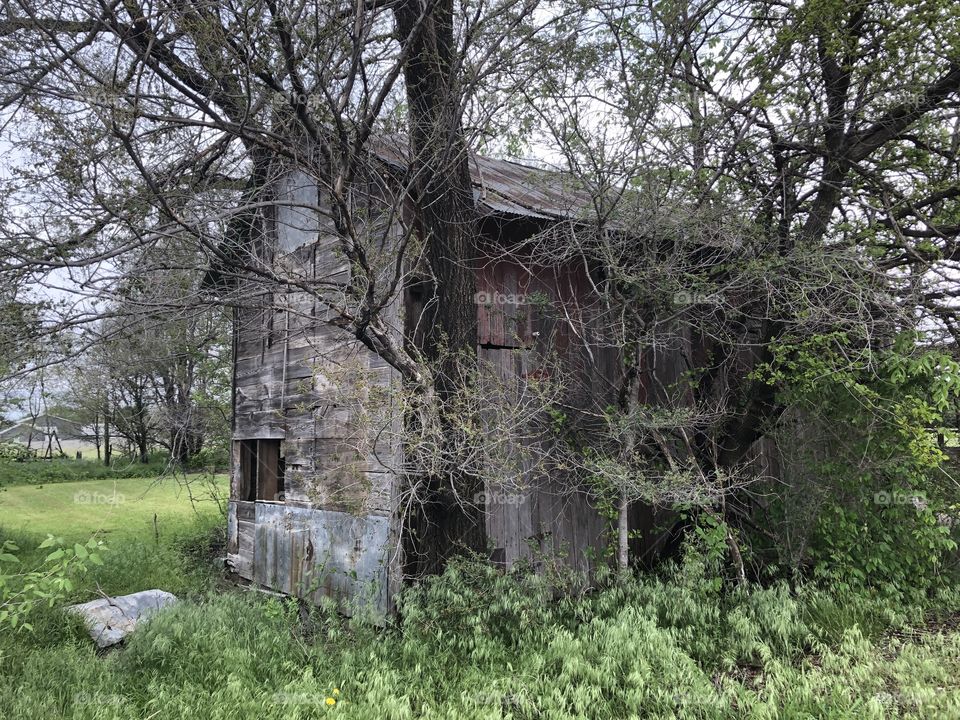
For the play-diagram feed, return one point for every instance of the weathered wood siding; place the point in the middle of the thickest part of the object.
(304, 381)
(533, 323)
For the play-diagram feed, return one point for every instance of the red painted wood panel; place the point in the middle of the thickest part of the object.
(522, 305)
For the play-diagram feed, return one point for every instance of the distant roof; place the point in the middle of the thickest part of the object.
(64, 427)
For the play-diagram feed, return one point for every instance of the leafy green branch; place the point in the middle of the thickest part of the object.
(22, 590)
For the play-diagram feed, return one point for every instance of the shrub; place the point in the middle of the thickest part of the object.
(23, 589)
(879, 481)
(10, 451)
(36, 471)
(215, 459)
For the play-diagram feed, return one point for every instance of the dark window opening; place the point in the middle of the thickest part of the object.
(262, 469)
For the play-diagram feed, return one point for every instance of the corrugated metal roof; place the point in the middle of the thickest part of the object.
(507, 187)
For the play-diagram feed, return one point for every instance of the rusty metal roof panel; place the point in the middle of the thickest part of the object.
(505, 186)
(509, 187)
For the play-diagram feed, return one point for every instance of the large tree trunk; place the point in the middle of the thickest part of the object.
(446, 214)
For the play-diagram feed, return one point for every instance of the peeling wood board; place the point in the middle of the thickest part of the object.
(240, 536)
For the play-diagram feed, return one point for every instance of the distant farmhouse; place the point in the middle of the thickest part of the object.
(50, 436)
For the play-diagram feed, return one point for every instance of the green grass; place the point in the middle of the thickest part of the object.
(479, 645)
(157, 533)
(475, 643)
(110, 506)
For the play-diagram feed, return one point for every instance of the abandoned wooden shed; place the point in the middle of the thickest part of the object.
(318, 449)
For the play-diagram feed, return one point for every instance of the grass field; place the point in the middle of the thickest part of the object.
(130, 506)
(154, 529)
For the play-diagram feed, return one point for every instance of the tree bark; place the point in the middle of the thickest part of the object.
(107, 450)
(452, 519)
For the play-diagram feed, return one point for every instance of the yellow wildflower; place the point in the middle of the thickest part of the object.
(331, 701)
